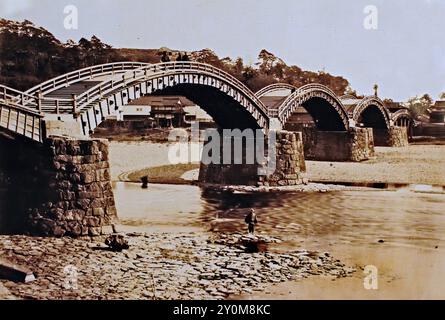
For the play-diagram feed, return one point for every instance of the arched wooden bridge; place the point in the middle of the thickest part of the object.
(89, 95)
(329, 112)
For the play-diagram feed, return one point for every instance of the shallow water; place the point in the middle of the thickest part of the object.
(399, 230)
(401, 217)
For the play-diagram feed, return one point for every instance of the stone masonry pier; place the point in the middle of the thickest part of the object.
(61, 187)
(354, 145)
(392, 137)
(288, 162)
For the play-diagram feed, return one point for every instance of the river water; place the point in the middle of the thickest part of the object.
(400, 231)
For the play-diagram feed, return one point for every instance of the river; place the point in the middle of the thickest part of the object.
(400, 231)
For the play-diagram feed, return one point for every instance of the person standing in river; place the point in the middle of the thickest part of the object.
(144, 181)
(251, 221)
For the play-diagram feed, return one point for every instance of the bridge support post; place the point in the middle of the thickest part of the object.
(357, 144)
(393, 137)
(398, 136)
(58, 188)
(285, 164)
(381, 137)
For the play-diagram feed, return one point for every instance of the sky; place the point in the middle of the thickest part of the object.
(404, 55)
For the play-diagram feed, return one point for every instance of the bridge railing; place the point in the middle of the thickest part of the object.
(18, 118)
(35, 102)
(84, 74)
(167, 69)
(400, 113)
(308, 87)
(273, 113)
(274, 87)
(312, 86)
(34, 98)
(131, 72)
(365, 102)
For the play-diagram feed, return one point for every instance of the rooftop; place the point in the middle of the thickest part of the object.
(155, 101)
(439, 104)
(272, 102)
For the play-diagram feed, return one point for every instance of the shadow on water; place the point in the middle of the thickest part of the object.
(390, 186)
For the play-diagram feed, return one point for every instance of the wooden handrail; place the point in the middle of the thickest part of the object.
(173, 67)
(274, 87)
(303, 89)
(82, 74)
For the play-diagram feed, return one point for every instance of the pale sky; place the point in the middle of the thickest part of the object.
(405, 55)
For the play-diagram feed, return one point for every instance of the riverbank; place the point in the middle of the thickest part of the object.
(386, 228)
(389, 229)
(403, 273)
(415, 164)
(159, 266)
(168, 174)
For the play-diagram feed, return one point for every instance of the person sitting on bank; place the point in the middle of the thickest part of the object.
(251, 221)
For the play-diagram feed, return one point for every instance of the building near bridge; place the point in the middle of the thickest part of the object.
(137, 112)
(437, 112)
(165, 111)
(394, 106)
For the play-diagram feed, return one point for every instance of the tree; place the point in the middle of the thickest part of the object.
(418, 106)
(442, 95)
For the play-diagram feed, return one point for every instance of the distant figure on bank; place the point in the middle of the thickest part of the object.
(144, 180)
(179, 57)
(251, 221)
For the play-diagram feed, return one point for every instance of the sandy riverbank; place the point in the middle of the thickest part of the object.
(402, 273)
(415, 164)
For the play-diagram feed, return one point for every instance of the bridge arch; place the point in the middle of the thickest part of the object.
(402, 118)
(371, 113)
(275, 87)
(229, 102)
(348, 97)
(321, 103)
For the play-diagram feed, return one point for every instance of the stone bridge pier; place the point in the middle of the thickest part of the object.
(356, 144)
(284, 158)
(392, 137)
(61, 187)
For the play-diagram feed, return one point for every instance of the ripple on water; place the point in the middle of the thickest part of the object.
(357, 217)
